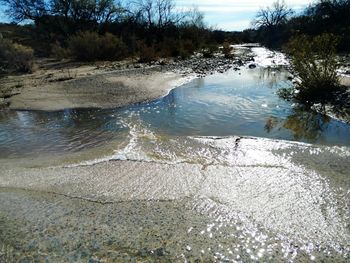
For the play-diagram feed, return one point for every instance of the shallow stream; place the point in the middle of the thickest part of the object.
(242, 103)
(187, 198)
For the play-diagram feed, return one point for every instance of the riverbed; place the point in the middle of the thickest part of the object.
(219, 170)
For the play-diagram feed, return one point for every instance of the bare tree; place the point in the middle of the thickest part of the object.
(273, 16)
(100, 11)
(19, 10)
(157, 13)
(194, 17)
(61, 7)
(165, 12)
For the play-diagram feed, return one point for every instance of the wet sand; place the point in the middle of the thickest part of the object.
(108, 90)
(63, 85)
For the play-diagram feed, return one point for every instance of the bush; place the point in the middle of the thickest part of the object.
(90, 46)
(172, 47)
(16, 57)
(169, 47)
(188, 48)
(184, 53)
(227, 50)
(314, 62)
(210, 50)
(147, 53)
(57, 51)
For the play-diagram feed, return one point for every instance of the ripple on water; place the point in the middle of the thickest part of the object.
(219, 105)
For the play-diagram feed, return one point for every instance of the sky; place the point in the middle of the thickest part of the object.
(234, 15)
(230, 15)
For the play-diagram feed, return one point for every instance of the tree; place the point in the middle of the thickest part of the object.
(98, 11)
(271, 24)
(20, 10)
(274, 16)
(157, 13)
(194, 18)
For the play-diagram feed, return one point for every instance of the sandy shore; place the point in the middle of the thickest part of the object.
(109, 90)
(57, 86)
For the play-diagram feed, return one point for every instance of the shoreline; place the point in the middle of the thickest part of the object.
(104, 85)
(113, 85)
(101, 91)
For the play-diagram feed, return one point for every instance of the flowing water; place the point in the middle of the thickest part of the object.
(194, 193)
(242, 103)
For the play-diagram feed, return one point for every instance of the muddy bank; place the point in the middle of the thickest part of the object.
(223, 194)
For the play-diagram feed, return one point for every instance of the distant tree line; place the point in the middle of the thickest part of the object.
(276, 25)
(111, 29)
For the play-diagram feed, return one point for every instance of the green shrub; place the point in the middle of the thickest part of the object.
(314, 62)
(286, 93)
(16, 57)
(90, 46)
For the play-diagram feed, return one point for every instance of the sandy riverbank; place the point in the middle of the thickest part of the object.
(61, 85)
(108, 90)
(57, 86)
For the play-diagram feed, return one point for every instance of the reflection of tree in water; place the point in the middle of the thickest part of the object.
(271, 123)
(24, 132)
(304, 124)
(272, 76)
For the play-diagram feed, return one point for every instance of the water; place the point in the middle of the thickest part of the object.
(255, 200)
(240, 103)
(227, 199)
